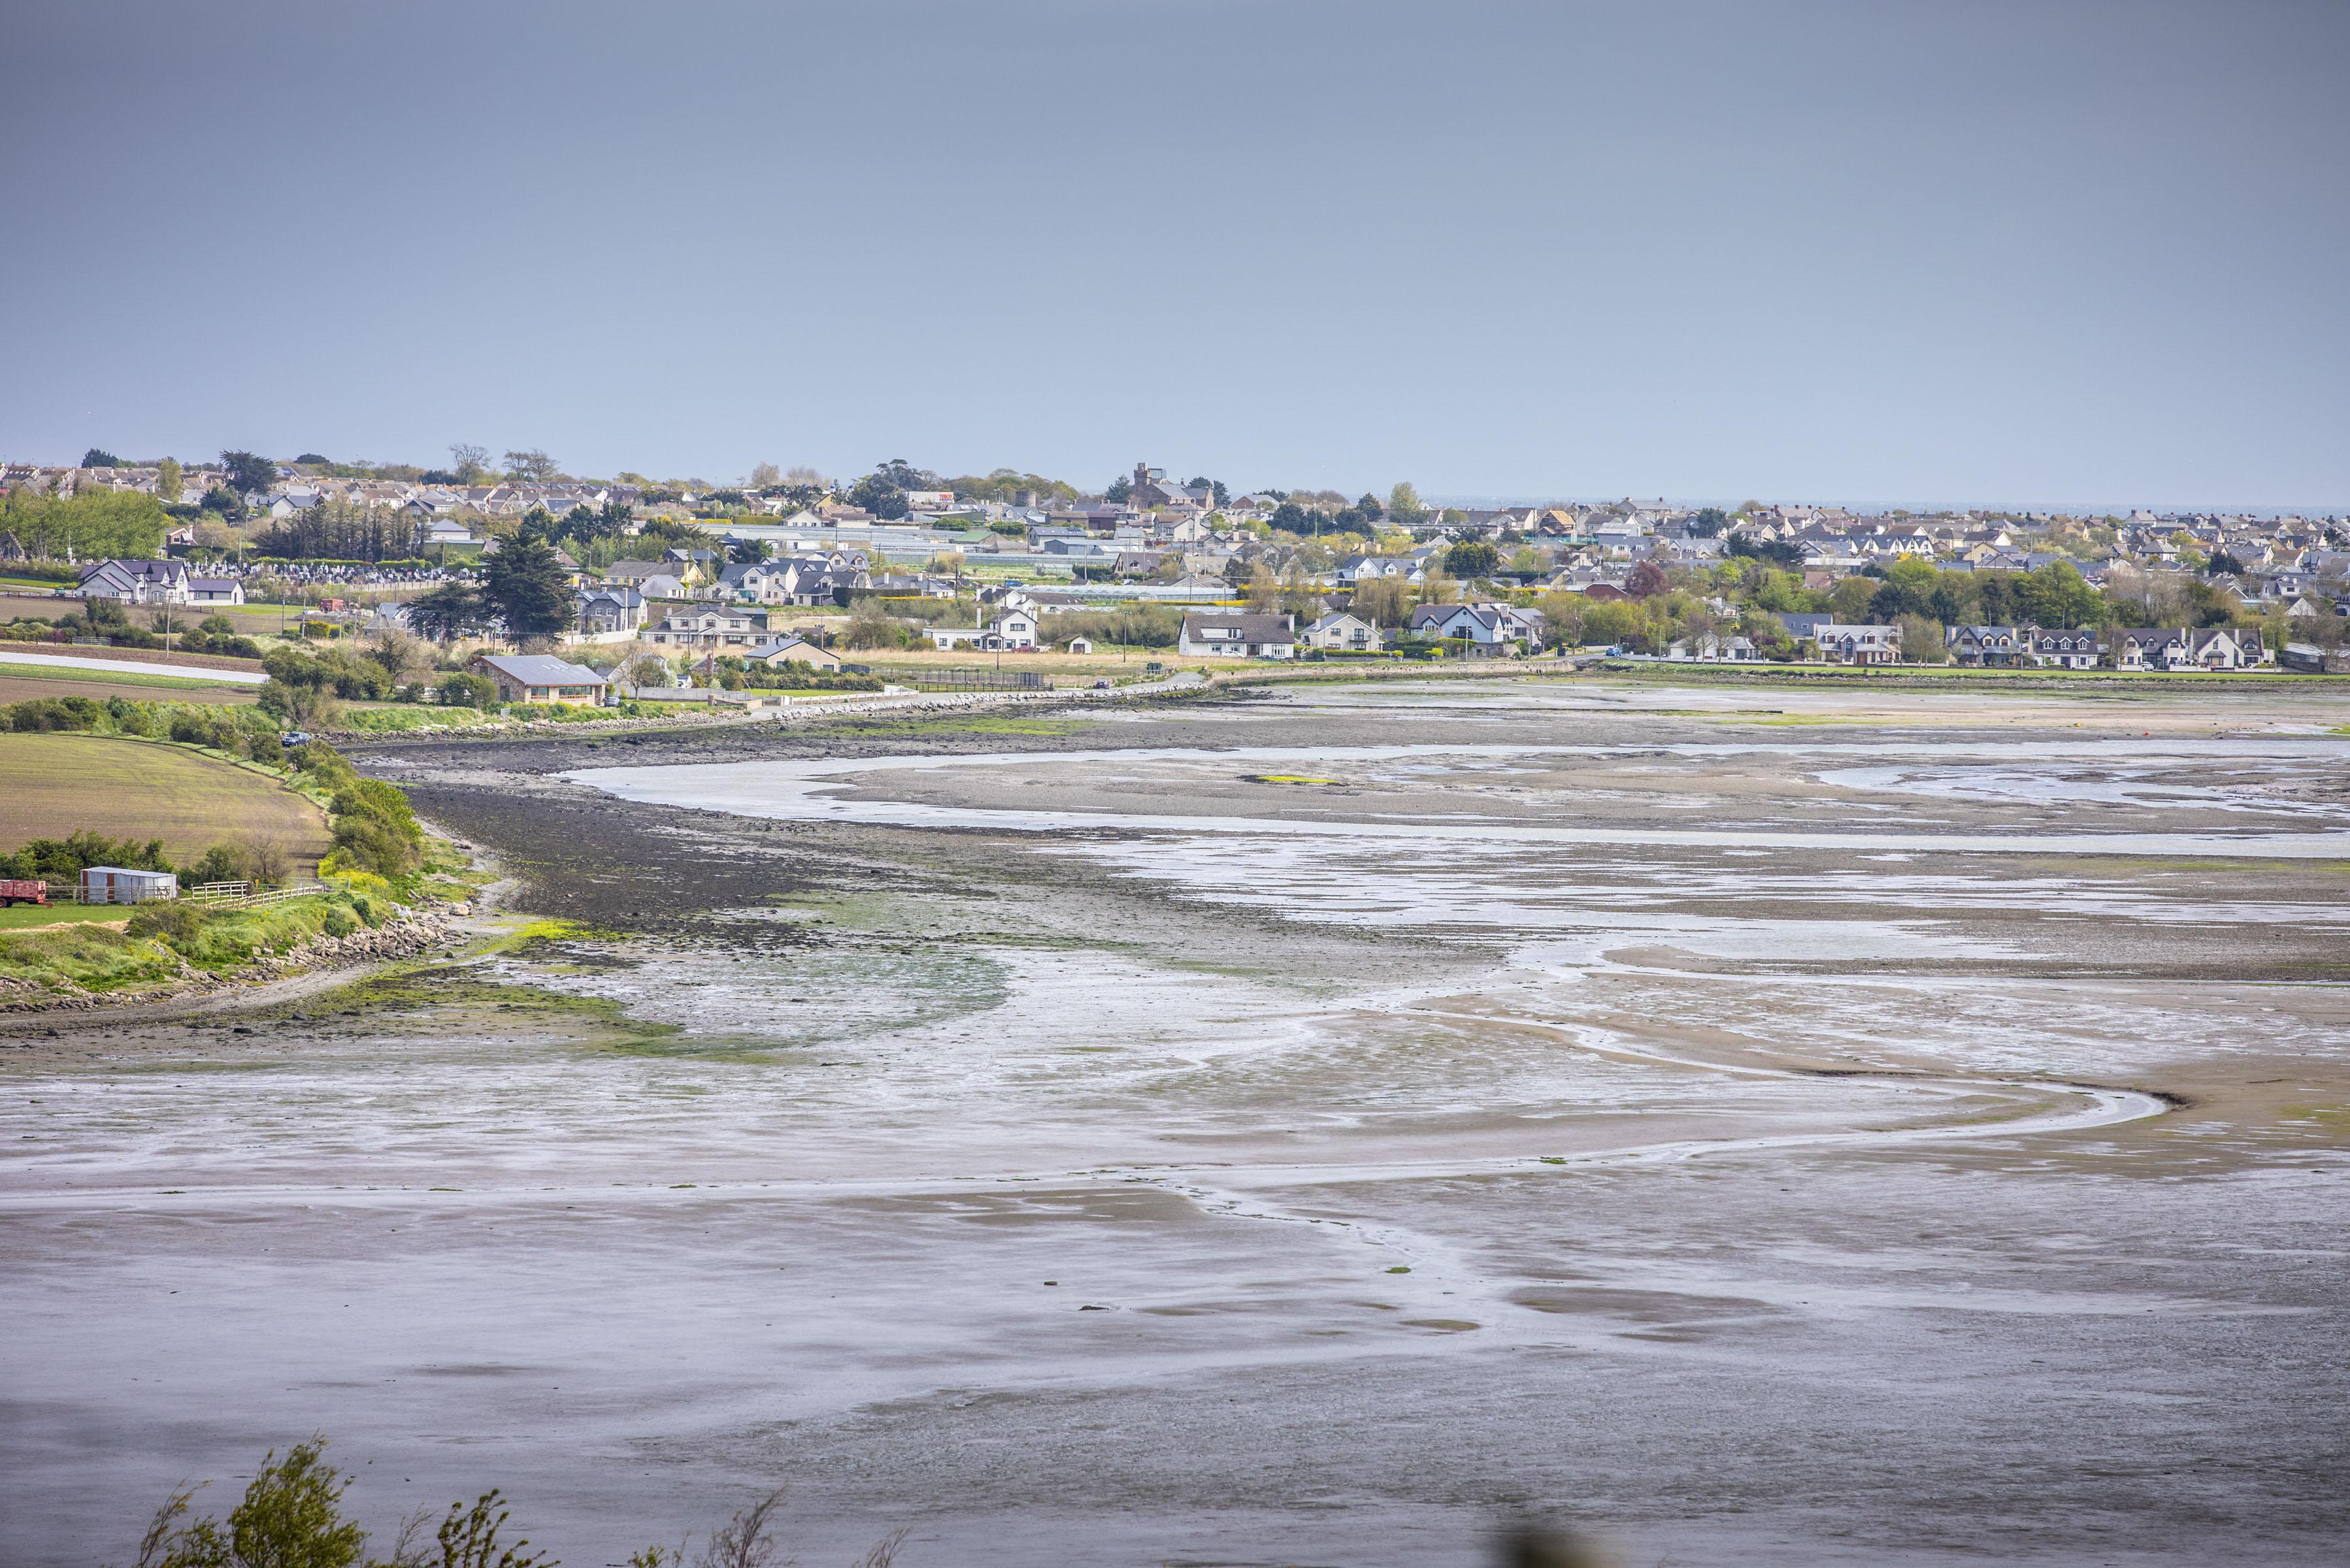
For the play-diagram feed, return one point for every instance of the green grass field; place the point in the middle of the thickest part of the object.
(13, 690)
(29, 671)
(24, 917)
(51, 785)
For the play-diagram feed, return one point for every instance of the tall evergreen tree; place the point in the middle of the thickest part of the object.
(528, 587)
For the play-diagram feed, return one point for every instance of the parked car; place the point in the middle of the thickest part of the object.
(293, 738)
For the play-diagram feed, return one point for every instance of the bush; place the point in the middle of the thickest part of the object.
(42, 713)
(374, 828)
(339, 921)
(180, 925)
(468, 691)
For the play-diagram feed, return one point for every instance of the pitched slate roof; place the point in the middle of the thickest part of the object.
(540, 669)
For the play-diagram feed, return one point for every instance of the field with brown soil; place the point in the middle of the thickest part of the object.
(51, 785)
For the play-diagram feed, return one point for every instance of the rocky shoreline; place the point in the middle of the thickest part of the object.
(412, 934)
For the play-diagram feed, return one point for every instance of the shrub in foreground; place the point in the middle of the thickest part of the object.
(292, 1517)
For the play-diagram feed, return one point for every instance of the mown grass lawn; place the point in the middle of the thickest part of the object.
(51, 785)
(28, 916)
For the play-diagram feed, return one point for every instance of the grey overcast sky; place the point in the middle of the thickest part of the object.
(2036, 253)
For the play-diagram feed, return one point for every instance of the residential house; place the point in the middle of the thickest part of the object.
(1858, 644)
(760, 582)
(695, 566)
(1342, 633)
(2063, 650)
(610, 608)
(828, 585)
(710, 626)
(540, 678)
(136, 582)
(1988, 646)
(1486, 628)
(2149, 647)
(2226, 648)
(793, 649)
(1013, 630)
(1238, 637)
(1356, 570)
(156, 583)
(640, 573)
(1711, 648)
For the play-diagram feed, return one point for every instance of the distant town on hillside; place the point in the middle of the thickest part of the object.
(516, 554)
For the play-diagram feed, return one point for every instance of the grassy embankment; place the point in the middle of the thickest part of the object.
(189, 797)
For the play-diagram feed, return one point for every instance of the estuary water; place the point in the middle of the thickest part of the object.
(1256, 1137)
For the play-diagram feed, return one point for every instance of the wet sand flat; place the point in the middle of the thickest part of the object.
(1770, 1126)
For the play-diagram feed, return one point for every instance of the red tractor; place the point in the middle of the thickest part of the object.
(12, 893)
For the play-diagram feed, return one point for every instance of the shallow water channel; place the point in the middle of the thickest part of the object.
(1317, 1130)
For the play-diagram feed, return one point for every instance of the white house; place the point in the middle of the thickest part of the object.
(1487, 627)
(1238, 637)
(1711, 647)
(793, 650)
(761, 582)
(2063, 650)
(136, 582)
(1342, 633)
(1858, 644)
(2150, 647)
(710, 626)
(1013, 629)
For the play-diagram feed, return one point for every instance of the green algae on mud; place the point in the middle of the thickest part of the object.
(440, 994)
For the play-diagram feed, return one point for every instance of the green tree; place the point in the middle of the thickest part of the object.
(528, 587)
(878, 496)
(447, 611)
(1850, 600)
(1563, 617)
(467, 691)
(1472, 558)
(1405, 508)
(532, 464)
(2056, 596)
(1382, 601)
(169, 484)
(102, 523)
(1779, 552)
(1613, 622)
(870, 625)
(98, 457)
(1708, 522)
(1922, 640)
(248, 472)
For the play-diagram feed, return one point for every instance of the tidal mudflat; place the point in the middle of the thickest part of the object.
(1743, 1125)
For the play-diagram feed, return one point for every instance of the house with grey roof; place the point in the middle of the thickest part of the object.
(539, 677)
(1238, 637)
